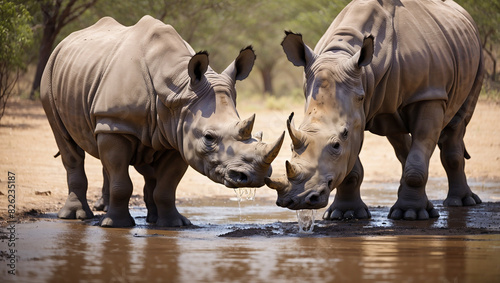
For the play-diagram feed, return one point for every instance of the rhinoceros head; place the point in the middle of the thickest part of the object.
(326, 145)
(216, 142)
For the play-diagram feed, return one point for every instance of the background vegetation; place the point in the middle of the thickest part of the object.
(30, 29)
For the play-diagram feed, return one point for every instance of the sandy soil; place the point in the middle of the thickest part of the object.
(27, 148)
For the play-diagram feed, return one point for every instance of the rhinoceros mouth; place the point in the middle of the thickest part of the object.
(310, 199)
(230, 184)
(229, 177)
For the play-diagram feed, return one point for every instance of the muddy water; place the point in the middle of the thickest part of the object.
(52, 250)
(267, 246)
(62, 251)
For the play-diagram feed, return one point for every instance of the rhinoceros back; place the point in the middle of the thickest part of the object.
(108, 78)
(424, 50)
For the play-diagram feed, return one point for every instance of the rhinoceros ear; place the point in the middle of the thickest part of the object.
(365, 55)
(296, 50)
(242, 65)
(197, 66)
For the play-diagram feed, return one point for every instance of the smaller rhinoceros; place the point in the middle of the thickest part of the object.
(141, 96)
(408, 70)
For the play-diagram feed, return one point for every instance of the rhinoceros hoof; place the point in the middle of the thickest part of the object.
(152, 217)
(413, 214)
(108, 221)
(99, 205)
(469, 200)
(337, 214)
(173, 222)
(74, 209)
(72, 213)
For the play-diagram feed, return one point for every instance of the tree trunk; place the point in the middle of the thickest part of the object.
(56, 16)
(490, 54)
(48, 39)
(494, 73)
(267, 79)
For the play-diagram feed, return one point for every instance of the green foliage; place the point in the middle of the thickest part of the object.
(15, 34)
(490, 91)
(223, 27)
(486, 14)
(313, 18)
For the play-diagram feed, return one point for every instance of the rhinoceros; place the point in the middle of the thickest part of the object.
(408, 70)
(141, 96)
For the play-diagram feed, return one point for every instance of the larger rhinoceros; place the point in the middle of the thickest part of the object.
(408, 70)
(141, 96)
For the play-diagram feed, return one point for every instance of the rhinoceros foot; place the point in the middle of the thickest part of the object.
(177, 221)
(340, 211)
(117, 221)
(469, 200)
(401, 211)
(152, 216)
(75, 208)
(100, 205)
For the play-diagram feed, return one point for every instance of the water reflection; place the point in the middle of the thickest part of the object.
(68, 251)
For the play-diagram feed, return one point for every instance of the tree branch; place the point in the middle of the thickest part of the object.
(78, 11)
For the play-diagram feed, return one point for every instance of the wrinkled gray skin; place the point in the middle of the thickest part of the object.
(140, 96)
(407, 70)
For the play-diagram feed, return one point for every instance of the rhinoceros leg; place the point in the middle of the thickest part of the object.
(425, 120)
(169, 170)
(76, 206)
(147, 171)
(73, 158)
(103, 202)
(452, 156)
(347, 203)
(401, 144)
(115, 152)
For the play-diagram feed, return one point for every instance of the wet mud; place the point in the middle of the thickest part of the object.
(262, 218)
(477, 220)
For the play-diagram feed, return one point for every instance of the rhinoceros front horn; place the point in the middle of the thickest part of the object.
(245, 128)
(272, 150)
(296, 136)
(276, 183)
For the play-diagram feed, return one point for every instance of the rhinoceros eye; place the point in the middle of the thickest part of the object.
(360, 97)
(335, 147)
(209, 137)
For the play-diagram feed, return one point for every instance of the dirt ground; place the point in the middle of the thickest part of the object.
(27, 148)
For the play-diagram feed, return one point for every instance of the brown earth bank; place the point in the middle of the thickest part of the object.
(27, 148)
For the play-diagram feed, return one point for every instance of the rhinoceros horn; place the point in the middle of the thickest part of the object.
(296, 136)
(276, 183)
(245, 128)
(272, 150)
(291, 170)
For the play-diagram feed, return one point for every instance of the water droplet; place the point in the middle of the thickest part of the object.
(305, 218)
(244, 194)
